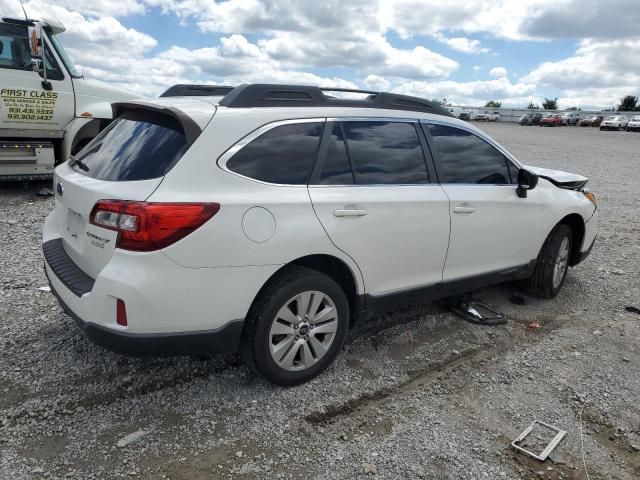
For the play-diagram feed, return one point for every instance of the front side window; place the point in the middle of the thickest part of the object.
(136, 146)
(16, 54)
(283, 155)
(465, 158)
(14, 47)
(385, 153)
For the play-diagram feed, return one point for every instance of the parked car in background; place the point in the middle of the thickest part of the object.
(592, 121)
(531, 118)
(634, 124)
(570, 118)
(277, 225)
(553, 120)
(467, 115)
(614, 122)
(488, 116)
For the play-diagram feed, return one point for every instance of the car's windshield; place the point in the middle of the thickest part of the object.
(71, 68)
(612, 117)
(636, 118)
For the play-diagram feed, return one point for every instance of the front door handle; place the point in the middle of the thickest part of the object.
(466, 210)
(349, 212)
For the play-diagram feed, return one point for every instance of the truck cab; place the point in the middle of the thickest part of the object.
(48, 111)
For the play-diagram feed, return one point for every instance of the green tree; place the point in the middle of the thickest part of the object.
(550, 103)
(493, 104)
(628, 103)
(573, 109)
(532, 106)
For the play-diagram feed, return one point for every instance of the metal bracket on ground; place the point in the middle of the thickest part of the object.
(560, 434)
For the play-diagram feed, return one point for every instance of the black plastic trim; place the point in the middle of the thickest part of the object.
(583, 255)
(191, 129)
(225, 339)
(379, 304)
(65, 270)
(270, 95)
(185, 90)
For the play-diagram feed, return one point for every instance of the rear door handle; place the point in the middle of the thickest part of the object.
(349, 212)
(463, 210)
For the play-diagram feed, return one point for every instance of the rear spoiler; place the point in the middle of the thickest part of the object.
(190, 128)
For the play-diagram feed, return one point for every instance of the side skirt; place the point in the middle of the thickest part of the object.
(376, 305)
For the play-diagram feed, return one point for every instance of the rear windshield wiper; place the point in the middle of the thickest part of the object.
(76, 161)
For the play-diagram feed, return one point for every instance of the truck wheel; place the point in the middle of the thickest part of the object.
(296, 327)
(552, 263)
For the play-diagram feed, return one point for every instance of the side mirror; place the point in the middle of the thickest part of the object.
(526, 181)
(35, 41)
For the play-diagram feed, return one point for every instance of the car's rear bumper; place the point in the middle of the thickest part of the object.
(225, 339)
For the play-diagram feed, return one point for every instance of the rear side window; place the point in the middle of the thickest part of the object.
(283, 155)
(387, 153)
(336, 169)
(465, 158)
(136, 146)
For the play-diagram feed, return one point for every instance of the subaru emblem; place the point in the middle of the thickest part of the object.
(59, 189)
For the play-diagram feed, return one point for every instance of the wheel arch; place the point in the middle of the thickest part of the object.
(577, 225)
(333, 267)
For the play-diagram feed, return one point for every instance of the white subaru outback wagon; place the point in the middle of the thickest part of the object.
(265, 219)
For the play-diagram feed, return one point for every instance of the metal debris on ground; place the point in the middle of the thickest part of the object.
(44, 289)
(475, 311)
(45, 192)
(560, 434)
(632, 309)
(534, 326)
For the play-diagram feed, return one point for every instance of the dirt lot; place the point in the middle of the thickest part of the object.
(415, 394)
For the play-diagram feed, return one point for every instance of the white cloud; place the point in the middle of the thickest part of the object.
(598, 74)
(465, 45)
(498, 72)
(297, 41)
(94, 8)
(468, 93)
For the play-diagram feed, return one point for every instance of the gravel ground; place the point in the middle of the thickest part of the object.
(415, 394)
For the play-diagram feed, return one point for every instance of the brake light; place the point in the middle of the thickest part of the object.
(144, 227)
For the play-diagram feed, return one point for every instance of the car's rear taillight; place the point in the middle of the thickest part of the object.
(144, 227)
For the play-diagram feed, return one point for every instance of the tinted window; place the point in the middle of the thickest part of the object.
(385, 153)
(336, 169)
(284, 154)
(466, 158)
(136, 146)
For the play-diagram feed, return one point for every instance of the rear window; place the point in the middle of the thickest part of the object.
(136, 146)
(283, 155)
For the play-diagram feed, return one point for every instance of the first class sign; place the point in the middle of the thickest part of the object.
(27, 106)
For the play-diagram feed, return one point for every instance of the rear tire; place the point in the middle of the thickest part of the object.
(274, 343)
(552, 263)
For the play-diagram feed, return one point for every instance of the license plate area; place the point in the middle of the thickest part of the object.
(75, 226)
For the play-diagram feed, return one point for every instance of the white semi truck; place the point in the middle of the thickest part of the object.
(48, 111)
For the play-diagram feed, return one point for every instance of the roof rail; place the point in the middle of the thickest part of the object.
(268, 95)
(183, 90)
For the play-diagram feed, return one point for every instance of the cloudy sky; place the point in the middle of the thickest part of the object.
(585, 52)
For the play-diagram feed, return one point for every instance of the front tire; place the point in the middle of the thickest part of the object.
(296, 327)
(552, 263)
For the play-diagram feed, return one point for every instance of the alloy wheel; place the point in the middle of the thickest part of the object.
(303, 330)
(562, 261)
